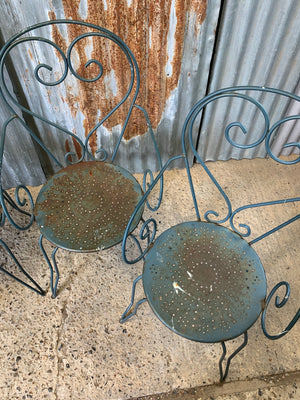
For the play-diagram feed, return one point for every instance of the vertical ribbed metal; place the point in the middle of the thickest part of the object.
(21, 164)
(195, 67)
(173, 43)
(290, 132)
(258, 44)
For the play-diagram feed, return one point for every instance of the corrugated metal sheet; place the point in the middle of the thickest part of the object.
(258, 44)
(198, 39)
(19, 166)
(172, 40)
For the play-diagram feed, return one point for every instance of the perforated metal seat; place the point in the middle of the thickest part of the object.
(204, 282)
(85, 207)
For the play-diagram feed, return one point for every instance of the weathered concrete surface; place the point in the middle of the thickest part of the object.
(73, 347)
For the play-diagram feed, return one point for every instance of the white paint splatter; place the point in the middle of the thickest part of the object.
(189, 274)
(178, 288)
(83, 12)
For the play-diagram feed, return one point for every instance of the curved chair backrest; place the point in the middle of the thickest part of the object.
(72, 90)
(266, 125)
(60, 57)
(263, 137)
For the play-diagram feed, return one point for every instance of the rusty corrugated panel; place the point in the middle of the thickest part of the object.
(172, 41)
(258, 44)
(199, 40)
(154, 31)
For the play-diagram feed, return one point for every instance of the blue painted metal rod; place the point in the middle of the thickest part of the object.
(275, 229)
(279, 304)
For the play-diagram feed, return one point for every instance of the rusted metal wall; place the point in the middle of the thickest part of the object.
(172, 41)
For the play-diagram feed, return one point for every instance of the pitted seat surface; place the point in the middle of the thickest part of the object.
(86, 206)
(204, 281)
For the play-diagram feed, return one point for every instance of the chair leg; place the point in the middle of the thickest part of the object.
(52, 266)
(223, 376)
(127, 314)
(36, 288)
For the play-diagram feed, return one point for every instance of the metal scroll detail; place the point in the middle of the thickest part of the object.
(144, 239)
(67, 67)
(266, 135)
(147, 232)
(279, 304)
(20, 206)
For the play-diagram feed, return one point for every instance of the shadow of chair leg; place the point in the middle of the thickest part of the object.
(36, 287)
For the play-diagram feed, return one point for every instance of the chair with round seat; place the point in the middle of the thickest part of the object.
(87, 199)
(203, 279)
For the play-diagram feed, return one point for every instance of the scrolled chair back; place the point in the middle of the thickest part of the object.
(262, 126)
(258, 135)
(75, 89)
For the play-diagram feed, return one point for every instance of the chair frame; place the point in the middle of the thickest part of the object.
(148, 231)
(22, 114)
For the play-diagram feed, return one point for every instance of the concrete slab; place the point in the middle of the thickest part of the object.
(73, 347)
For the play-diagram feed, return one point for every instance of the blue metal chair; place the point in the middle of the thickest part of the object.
(202, 279)
(87, 200)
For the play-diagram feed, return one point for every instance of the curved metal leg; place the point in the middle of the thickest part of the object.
(52, 266)
(36, 288)
(127, 314)
(223, 376)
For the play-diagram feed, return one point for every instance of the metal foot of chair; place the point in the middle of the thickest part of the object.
(223, 376)
(52, 266)
(36, 288)
(127, 314)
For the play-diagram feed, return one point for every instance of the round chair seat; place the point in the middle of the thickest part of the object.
(204, 282)
(86, 206)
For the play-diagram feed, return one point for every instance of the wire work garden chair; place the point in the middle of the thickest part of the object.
(203, 279)
(87, 200)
